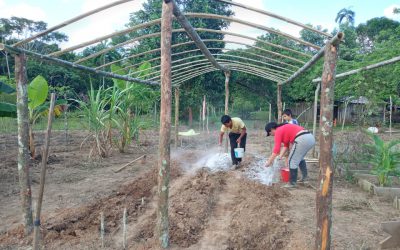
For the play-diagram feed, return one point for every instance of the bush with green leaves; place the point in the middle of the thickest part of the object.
(383, 157)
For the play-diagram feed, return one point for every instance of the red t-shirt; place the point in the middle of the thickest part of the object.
(285, 134)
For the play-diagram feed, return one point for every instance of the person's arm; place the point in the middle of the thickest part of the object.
(283, 151)
(241, 135)
(221, 136)
(276, 150)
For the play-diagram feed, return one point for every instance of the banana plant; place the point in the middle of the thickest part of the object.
(38, 91)
(383, 157)
(7, 109)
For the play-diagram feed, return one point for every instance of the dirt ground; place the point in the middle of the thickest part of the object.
(208, 209)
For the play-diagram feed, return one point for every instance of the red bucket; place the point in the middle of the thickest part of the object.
(285, 174)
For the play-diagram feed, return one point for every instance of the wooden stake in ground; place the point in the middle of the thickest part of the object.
(165, 126)
(176, 117)
(23, 141)
(45, 153)
(279, 102)
(324, 192)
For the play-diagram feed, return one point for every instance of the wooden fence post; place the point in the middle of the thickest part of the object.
(324, 192)
(23, 141)
(165, 126)
(279, 101)
(176, 117)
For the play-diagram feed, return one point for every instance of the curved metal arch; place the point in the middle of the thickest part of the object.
(200, 55)
(254, 39)
(196, 62)
(156, 34)
(205, 40)
(229, 63)
(253, 25)
(228, 55)
(253, 66)
(194, 69)
(178, 82)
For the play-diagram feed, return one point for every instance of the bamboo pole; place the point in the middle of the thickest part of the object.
(279, 102)
(99, 39)
(315, 115)
(324, 192)
(369, 67)
(72, 20)
(165, 125)
(72, 65)
(253, 25)
(384, 115)
(194, 36)
(275, 16)
(23, 142)
(176, 117)
(36, 230)
(338, 37)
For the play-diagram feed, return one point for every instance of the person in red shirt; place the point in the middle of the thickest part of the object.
(295, 139)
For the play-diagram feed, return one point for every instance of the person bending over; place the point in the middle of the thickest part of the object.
(288, 118)
(296, 140)
(237, 135)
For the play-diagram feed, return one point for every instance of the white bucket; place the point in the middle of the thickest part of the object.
(239, 152)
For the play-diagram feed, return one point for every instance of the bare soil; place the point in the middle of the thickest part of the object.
(208, 210)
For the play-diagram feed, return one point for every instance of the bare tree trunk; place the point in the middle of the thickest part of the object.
(36, 231)
(165, 126)
(23, 142)
(279, 102)
(324, 192)
(176, 116)
(315, 114)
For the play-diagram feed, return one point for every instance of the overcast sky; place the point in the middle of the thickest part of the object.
(316, 12)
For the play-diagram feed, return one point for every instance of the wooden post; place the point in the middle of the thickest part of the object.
(165, 126)
(270, 112)
(227, 76)
(346, 103)
(279, 102)
(390, 116)
(176, 116)
(36, 231)
(23, 142)
(324, 192)
(384, 116)
(315, 114)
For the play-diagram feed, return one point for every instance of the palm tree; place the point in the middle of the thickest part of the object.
(396, 10)
(346, 14)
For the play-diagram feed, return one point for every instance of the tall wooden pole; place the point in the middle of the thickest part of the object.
(23, 141)
(324, 192)
(279, 102)
(315, 114)
(176, 116)
(227, 76)
(390, 116)
(165, 125)
(36, 231)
